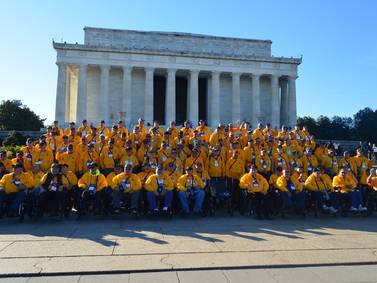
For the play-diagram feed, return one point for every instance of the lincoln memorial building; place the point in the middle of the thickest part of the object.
(171, 76)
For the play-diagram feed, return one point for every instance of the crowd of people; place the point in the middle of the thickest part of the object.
(156, 171)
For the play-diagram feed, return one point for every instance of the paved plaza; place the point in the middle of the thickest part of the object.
(221, 249)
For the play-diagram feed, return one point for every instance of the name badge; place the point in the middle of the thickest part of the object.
(216, 164)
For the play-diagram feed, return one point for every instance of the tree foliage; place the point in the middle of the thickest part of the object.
(363, 126)
(16, 116)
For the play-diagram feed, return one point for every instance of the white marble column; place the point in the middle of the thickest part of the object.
(170, 97)
(193, 98)
(62, 105)
(104, 93)
(255, 93)
(284, 102)
(148, 98)
(292, 111)
(81, 94)
(127, 94)
(215, 100)
(236, 97)
(275, 105)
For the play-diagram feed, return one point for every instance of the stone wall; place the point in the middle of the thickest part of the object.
(177, 42)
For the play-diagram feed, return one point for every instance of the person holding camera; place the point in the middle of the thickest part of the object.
(93, 185)
(159, 187)
(126, 185)
(13, 188)
(190, 187)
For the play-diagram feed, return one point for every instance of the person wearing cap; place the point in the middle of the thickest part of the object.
(141, 125)
(173, 158)
(6, 161)
(126, 185)
(279, 159)
(217, 134)
(88, 156)
(122, 129)
(320, 188)
(129, 158)
(73, 137)
(216, 165)
(190, 186)
(102, 129)
(295, 162)
(186, 130)
(168, 139)
(93, 136)
(13, 188)
(363, 165)
(159, 186)
(346, 183)
(71, 158)
(309, 161)
(156, 130)
(136, 138)
(93, 186)
(67, 131)
(101, 144)
(255, 187)
(348, 162)
(330, 163)
(82, 146)
(71, 187)
(195, 157)
(84, 129)
(56, 129)
(164, 152)
(173, 172)
(144, 150)
(117, 170)
(19, 159)
(110, 155)
(263, 163)
(173, 130)
(203, 131)
(53, 139)
(291, 191)
(43, 157)
(3, 170)
(28, 151)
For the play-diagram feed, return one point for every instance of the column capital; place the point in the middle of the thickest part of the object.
(149, 70)
(236, 74)
(255, 75)
(83, 66)
(292, 78)
(171, 71)
(105, 67)
(194, 72)
(215, 73)
(127, 68)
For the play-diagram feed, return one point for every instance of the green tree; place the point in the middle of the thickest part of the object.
(365, 123)
(16, 116)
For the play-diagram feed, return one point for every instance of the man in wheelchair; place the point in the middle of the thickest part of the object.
(126, 188)
(159, 189)
(190, 188)
(13, 187)
(94, 193)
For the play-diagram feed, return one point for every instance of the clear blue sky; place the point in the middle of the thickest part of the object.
(338, 41)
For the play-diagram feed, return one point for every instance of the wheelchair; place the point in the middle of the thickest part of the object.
(219, 194)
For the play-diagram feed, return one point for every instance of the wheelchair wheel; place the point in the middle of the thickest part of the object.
(21, 212)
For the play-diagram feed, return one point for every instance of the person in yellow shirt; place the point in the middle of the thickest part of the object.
(204, 131)
(173, 172)
(363, 164)
(173, 159)
(321, 191)
(13, 187)
(255, 187)
(126, 185)
(372, 179)
(43, 157)
(94, 188)
(291, 192)
(84, 129)
(89, 156)
(19, 159)
(28, 151)
(263, 163)
(346, 183)
(71, 158)
(129, 158)
(5, 160)
(187, 131)
(190, 186)
(309, 161)
(110, 156)
(102, 129)
(159, 187)
(163, 154)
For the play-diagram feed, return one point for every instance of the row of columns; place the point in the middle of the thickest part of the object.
(282, 111)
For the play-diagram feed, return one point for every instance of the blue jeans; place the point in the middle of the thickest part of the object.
(356, 198)
(118, 195)
(152, 199)
(296, 200)
(198, 196)
(15, 199)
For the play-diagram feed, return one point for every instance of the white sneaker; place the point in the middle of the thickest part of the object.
(333, 210)
(353, 209)
(362, 208)
(325, 207)
(165, 208)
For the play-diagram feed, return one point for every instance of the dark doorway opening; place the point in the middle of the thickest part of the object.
(203, 98)
(180, 100)
(159, 90)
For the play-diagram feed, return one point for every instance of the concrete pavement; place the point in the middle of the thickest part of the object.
(98, 246)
